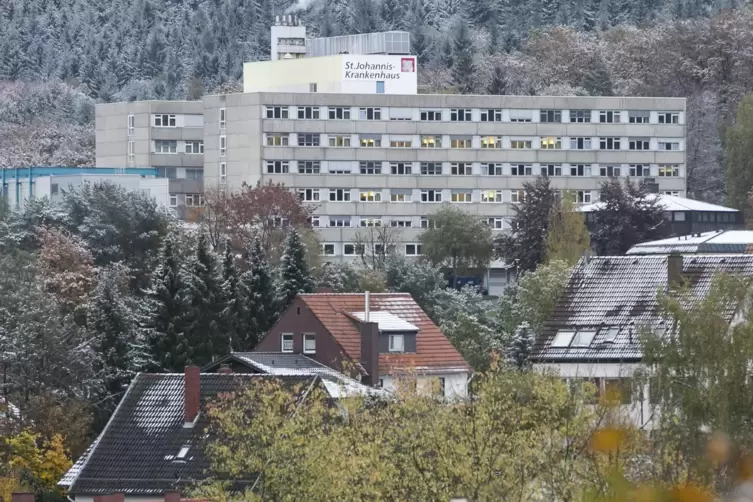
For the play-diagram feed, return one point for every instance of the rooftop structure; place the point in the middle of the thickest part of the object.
(721, 241)
(384, 42)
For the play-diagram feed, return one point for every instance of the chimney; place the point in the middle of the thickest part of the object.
(191, 394)
(674, 271)
(370, 350)
(225, 369)
(172, 496)
(21, 497)
(366, 298)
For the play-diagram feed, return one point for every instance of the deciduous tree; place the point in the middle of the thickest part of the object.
(738, 156)
(567, 236)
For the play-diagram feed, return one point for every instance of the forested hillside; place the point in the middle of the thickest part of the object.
(87, 51)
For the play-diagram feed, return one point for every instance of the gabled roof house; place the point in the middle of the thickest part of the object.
(376, 338)
(593, 331)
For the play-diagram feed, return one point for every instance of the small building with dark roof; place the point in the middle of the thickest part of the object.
(717, 242)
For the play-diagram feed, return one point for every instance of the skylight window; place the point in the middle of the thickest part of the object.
(563, 339)
(611, 334)
(583, 339)
(183, 452)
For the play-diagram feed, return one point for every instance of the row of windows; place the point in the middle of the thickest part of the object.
(485, 169)
(466, 141)
(173, 146)
(334, 221)
(423, 196)
(190, 200)
(332, 249)
(471, 115)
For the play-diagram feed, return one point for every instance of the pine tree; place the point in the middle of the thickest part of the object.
(521, 346)
(294, 272)
(597, 81)
(464, 71)
(498, 84)
(260, 297)
(236, 322)
(591, 14)
(393, 15)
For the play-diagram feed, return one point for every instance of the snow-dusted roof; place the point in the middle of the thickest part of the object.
(386, 321)
(721, 241)
(670, 203)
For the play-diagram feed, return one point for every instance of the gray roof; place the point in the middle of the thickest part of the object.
(721, 241)
(621, 292)
(671, 203)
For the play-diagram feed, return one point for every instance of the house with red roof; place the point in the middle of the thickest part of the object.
(377, 338)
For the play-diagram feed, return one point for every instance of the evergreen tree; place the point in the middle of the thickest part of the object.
(521, 346)
(498, 84)
(446, 57)
(294, 272)
(591, 14)
(597, 81)
(738, 157)
(464, 71)
(236, 321)
(525, 246)
(392, 15)
(259, 292)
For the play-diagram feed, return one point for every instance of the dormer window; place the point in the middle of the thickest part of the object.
(397, 343)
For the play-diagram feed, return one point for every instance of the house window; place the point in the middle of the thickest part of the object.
(349, 249)
(580, 143)
(496, 223)
(401, 223)
(492, 169)
(131, 125)
(397, 343)
(609, 143)
(277, 167)
(194, 200)
(521, 144)
(581, 116)
(339, 113)
(401, 113)
(413, 250)
(401, 168)
(223, 172)
(173, 200)
(669, 145)
(431, 141)
(370, 113)
(339, 195)
(551, 116)
(431, 168)
(276, 139)
(583, 196)
(398, 142)
(551, 143)
(580, 170)
(223, 146)
(328, 249)
(610, 171)
(315, 221)
(401, 196)
(583, 338)
(309, 343)
(667, 171)
(517, 196)
(461, 197)
(371, 222)
(431, 195)
(277, 112)
(638, 143)
(669, 118)
(676, 193)
(194, 147)
(461, 169)
(223, 118)
(609, 117)
(308, 139)
(460, 115)
(460, 142)
(164, 121)
(639, 170)
(340, 168)
(521, 116)
(521, 170)
(491, 196)
(491, 142)
(370, 140)
(370, 196)
(431, 115)
(370, 167)
(308, 112)
(131, 152)
(308, 194)
(638, 116)
(165, 146)
(286, 340)
(551, 170)
(309, 167)
(195, 174)
(563, 339)
(340, 221)
(339, 140)
(493, 115)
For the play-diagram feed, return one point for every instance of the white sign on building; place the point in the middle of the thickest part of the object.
(379, 74)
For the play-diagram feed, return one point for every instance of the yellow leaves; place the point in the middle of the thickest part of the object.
(46, 461)
(607, 440)
(691, 493)
(718, 448)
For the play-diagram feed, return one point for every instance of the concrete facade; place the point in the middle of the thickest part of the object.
(167, 135)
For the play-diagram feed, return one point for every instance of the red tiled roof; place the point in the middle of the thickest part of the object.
(433, 350)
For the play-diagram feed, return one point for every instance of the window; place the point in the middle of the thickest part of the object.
(521, 116)
(339, 140)
(276, 139)
(315, 221)
(491, 115)
(277, 167)
(370, 140)
(639, 170)
(638, 117)
(401, 113)
(496, 223)
(460, 142)
(308, 194)
(492, 169)
(517, 196)
(131, 125)
(370, 167)
(328, 249)
(223, 146)
(666, 171)
(277, 112)
(583, 196)
(551, 116)
(413, 250)
(676, 193)
(339, 113)
(401, 168)
(194, 147)
(610, 334)
(309, 343)
(431, 195)
(609, 143)
(370, 113)
(401, 196)
(308, 139)
(520, 143)
(491, 196)
(431, 168)
(551, 143)
(610, 171)
(223, 172)
(461, 169)
(380, 87)
(286, 342)
(431, 115)
(638, 143)
(339, 221)
(370, 196)
(308, 112)
(173, 200)
(431, 141)
(165, 146)
(669, 118)
(401, 142)
(622, 389)
(551, 170)
(580, 143)
(194, 200)
(168, 172)
(491, 142)
(669, 145)
(164, 121)
(521, 170)
(223, 118)
(371, 222)
(312, 87)
(460, 115)
(183, 452)
(580, 170)
(340, 167)
(609, 117)
(563, 339)
(195, 174)
(349, 249)
(339, 195)
(131, 152)
(396, 343)
(401, 223)
(442, 386)
(583, 338)
(581, 116)
(461, 197)
(309, 167)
